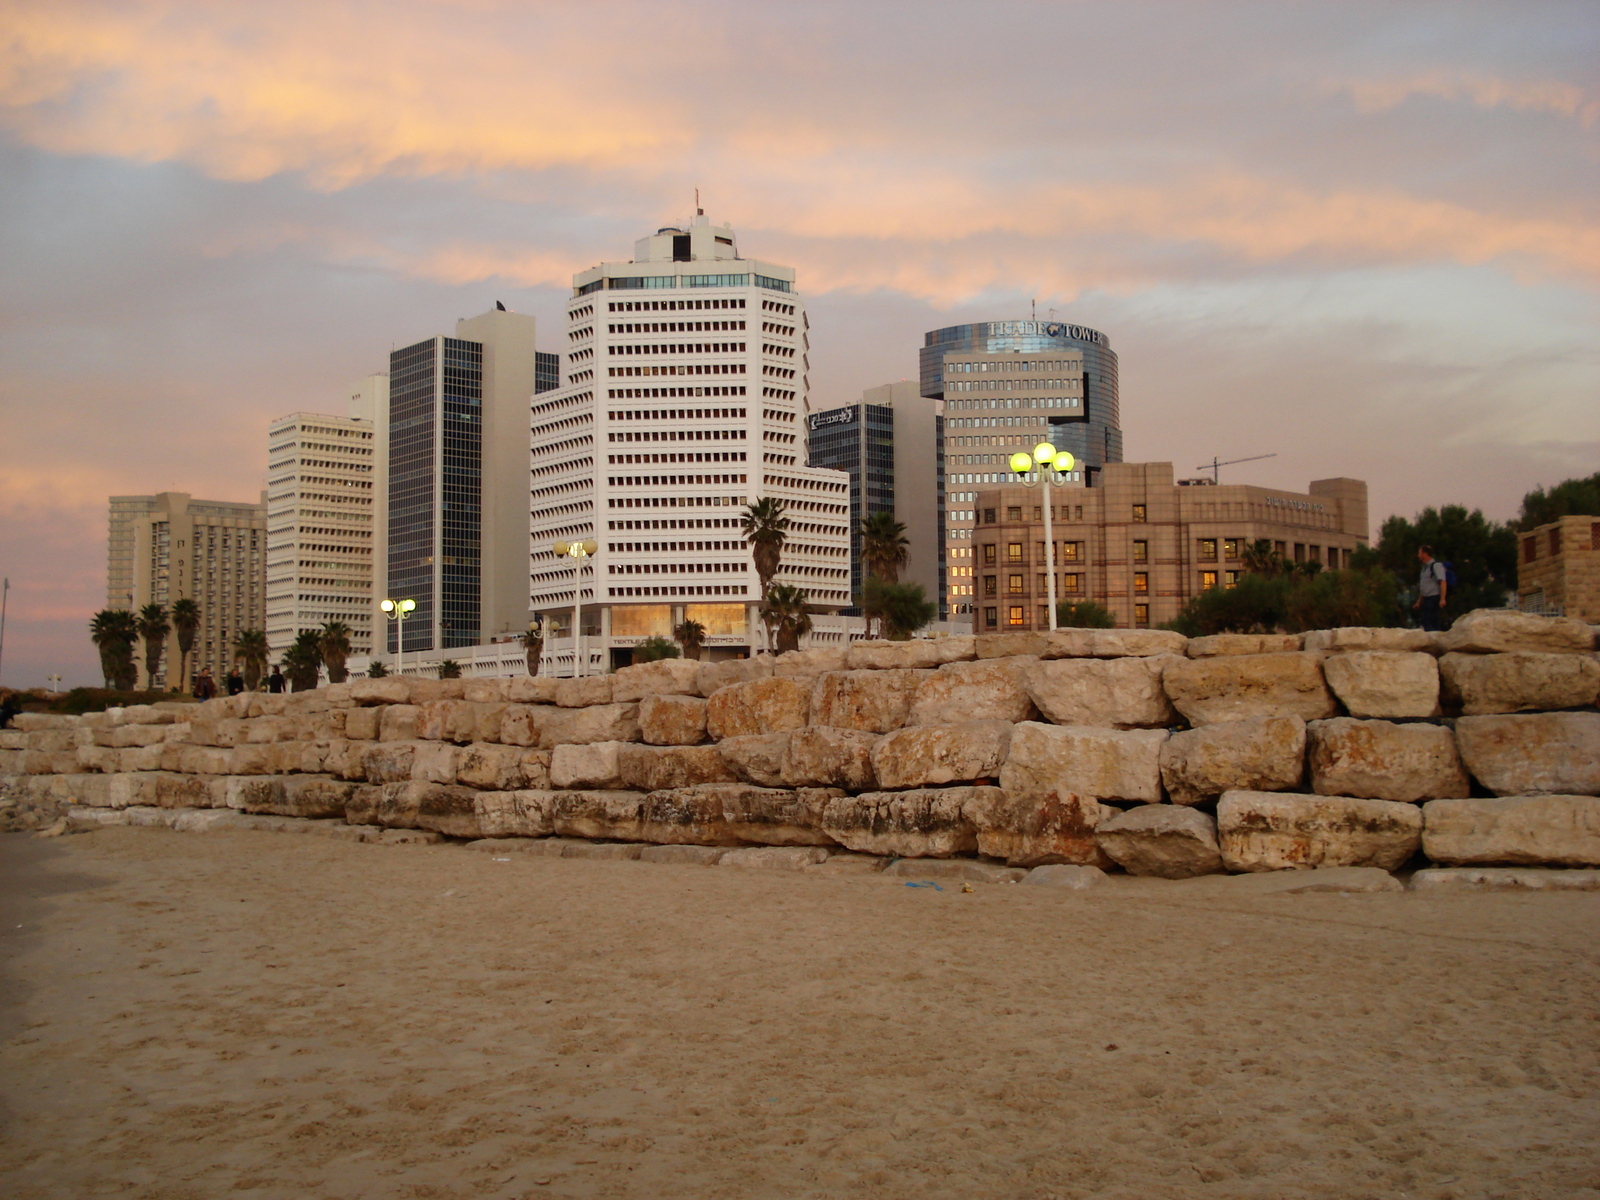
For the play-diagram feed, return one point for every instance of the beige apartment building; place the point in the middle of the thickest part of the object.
(1142, 543)
(1558, 568)
(169, 547)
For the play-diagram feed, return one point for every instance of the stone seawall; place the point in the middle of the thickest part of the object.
(1131, 749)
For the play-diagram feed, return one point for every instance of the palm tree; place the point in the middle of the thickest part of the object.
(334, 642)
(153, 628)
(376, 669)
(786, 615)
(185, 622)
(250, 650)
(766, 529)
(449, 669)
(653, 649)
(114, 632)
(301, 661)
(901, 608)
(885, 549)
(533, 644)
(691, 636)
(1259, 558)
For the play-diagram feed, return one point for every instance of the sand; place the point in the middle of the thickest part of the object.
(262, 1015)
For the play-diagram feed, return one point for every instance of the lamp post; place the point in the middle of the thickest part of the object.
(399, 610)
(1052, 467)
(577, 552)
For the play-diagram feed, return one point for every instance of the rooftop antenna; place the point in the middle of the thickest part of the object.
(1215, 467)
(698, 211)
(1033, 309)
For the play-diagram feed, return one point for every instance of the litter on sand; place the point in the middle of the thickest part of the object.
(924, 883)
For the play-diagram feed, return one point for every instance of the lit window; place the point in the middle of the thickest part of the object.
(991, 585)
(1073, 583)
(1014, 552)
(1208, 580)
(991, 617)
(1141, 552)
(1141, 581)
(1141, 615)
(1016, 615)
(1208, 550)
(1230, 549)
(1139, 513)
(1015, 584)
(1071, 551)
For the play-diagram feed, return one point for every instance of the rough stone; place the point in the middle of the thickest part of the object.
(1504, 879)
(361, 724)
(1105, 764)
(292, 795)
(595, 765)
(756, 757)
(1266, 754)
(410, 837)
(1222, 645)
(388, 762)
(503, 768)
(875, 701)
(428, 806)
(1010, 645)
(603, 851)
(672, 720)
(522, 724)
(826, 756)
(585, 726)
(1062, 875)
(686, 856)
(1164, 840)
(1382, 761)
(928, 755)
(1519, 754)
(1519, 681)
(652, 768)
(1275, 831)
(1239, 687)
(1384, 683)
(435, 762)
(663, 677)
(1492, 631)
(531, 689)
(519, 814)
(1337, 880)
(1059, 828)
(601, 814)
(1349, 638)
(1548, 831)
(992, 690)
(927, 823)
(380, 691)
(914, 654)
(1121, 693)
(423, 691)
(759, 706)
(961, 870)
(769, 816)
(585, 692)
(774, 858)
(711, 677)
(398, 722)
(1112, 643)
(484, 691)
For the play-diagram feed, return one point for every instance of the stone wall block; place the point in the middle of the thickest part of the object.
(347, 759)
(887, 656)
(1265, 754)
(522, 724)
(1120, 693)
(1525, 753)
(930, 755)
(317, 796)
(361, 724)
(988, 690)
(1222, 645)
(1382, 761)
(380, 691)
(808, 665)
(1239, 687)
(1384, 683)
(1495, 631)
(1104, 764)
(503, 768)
(585, 692)
(672, 719)
(1010, 645)
(664, 677)
(1360, 637)
(605, 815)
(653, 768)
(1519, 681)
(826, 756)
(582, 726)
(484, 691)
(875, 701)
(398, 722)
(1163, 840)
(926, 823)
(759, 706)
(531, 689)
(1060, 828)
(756, 757)
(388, 762)
(593, 765)
(1112, 643)
(711, 677)
(1548, 831)
(521, 813)
(434, 762)
(1276, 831)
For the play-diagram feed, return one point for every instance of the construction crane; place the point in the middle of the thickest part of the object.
(1215, 467)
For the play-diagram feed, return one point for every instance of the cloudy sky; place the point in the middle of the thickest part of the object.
(1361, 236)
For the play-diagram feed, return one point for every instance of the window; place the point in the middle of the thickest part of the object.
(1014, 583)
(1038, 513)
(1139, 513)
(1315, 554)
(1230, 549)
(991, 585)
(1282, 549)
(1014, 513)
(1530, 549)
(1233, 578)
(1014, 552)
(1141, 616)
(988, 516)
(1555, 541)
(1299, 552)
(1044, 617)
(1208, 550)
(991, 617)
(1071, 551)
(988, 554)
(1016, 615)
(1077, 512)
(1038, 552)
(1141, 582)
(1208, 580)
(1141, 552)
(1042, 586)
(1073, 583)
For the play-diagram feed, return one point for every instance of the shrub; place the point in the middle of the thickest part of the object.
(654, 648)
(1084, 614)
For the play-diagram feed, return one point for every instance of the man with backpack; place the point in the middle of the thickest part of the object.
(1433, 589)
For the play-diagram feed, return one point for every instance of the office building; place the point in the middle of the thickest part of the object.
(1141, 544)
(891, 445)
(685, 400)
(1558, 569)
(170, 547)
(457, 458)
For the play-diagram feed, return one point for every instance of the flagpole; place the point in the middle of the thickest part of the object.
(5, 594)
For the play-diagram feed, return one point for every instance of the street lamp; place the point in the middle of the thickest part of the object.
(577, 552)
(399, 610)
(1051, 466)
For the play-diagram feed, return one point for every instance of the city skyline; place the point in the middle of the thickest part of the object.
(1366, 245)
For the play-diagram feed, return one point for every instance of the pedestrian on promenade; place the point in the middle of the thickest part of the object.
(205, 687)
(275, 680)
(1433, 590)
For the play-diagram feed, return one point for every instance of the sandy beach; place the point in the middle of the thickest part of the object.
(261, 1015)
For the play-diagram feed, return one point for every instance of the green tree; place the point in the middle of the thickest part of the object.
(885, 550)
(185, 623)
(1084, 614)
(786, 615)
(766, 529)
(654, 648)
(334, 644)
(1569, 498)
(691, 636)
(1261, 558)
(114, 632)
(376, 669)
(900, 608)
(302, 661)
(533, 645)
(1482, 553)
(250, 652)
(449, 669)
(153, 628)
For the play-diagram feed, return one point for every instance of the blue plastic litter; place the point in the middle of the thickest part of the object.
(924, 883)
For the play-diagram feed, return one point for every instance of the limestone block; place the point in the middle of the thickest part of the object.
(183, 791)
(434, 762)
(672, 720)
(133, 789)
(1010, 645)
(337, 694)
(1519, 681)
(773, 816)
(594, 765)
(265, 704)
(178, 731)
(928, 755)
(687, 816)
(416, 805)
(582, 726)
(361, 724)
(1350, 638)
(605, 851)
(1266, 754)
(1120, 693)
(1275, 831)
(710, 677)
(502, 768)
(876, 701)
(1385, 683)
(201, 760)
(1105, 764)
(1516, 755)
(325, 726)
(424, 691)
(29, 722)
(484, 691)
(16, 739)
(774, 858)
(1112, 643)
(886, 656)
(826, 756)
(760, 706)
(410, 837)
(926, 823)
(808, 665)
(958, 870)
(291, 796)
(1333, 880)
(94, 818)
(388, 762)
(524, 813)
(1164, 840)
(1058, 828)
(344, 758)
(664, 677)
(119, 737)
(522, 724)
(1504, 879)
(51, 741)
(756, 757)
(651, 768)
(1382, 761)
(597, 814)
(988, 690)
(1547, 831)
(1062, 875)
(1491, 631)
(447, 721)
(102, 759)
(1239, 687)
(531, 689)
(489, 718)
(380, 691)
(585, 692)
(1226, 644)
(93, 791)
(398, 722)
(684, 856)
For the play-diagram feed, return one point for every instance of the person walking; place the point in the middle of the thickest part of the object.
(1433, 590)
(235, 682)
(205, 687)
(275, 680)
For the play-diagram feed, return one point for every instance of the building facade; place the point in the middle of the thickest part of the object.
(1142, 545)
(684, 400)
(1558, 568)
(170, 547)
(891, 445)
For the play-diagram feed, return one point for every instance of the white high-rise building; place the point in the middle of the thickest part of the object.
(684, 401)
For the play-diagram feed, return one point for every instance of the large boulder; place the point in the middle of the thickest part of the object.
(531, 689)
(601, 814)
(439, 807)
(291, 795)
(728, 814)
(398, 722)
(585, 726)
(672, 720)
(388, 762)
(1265, 754)
(1060, 828)
(361, 724)
(1223, 645)
(435, 762)
(1010, 645)
(928, 755)
(523, 724)
(652, 768)
(809, 665)
(380, 691)
(664, 677)
(1384, 683)
(594, 765)
(1105, 764)
(1550, 831)
(826, 756)
(1348, 638)
(1492, 631)
(1120, 693)
(1276, 831)
(876, 701)
(1239, 687)
(520, 814)
(1112, 643)
(990, 690)
(760, 706)
(1520, 754)
(485, 691)
(1382, 761)
(888, 656)
(503, 768)
(756, 757)
(926, 823)
(711, 677)
(1163, 840)
(1519, 681)
(584, 692)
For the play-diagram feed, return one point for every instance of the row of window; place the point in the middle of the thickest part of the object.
(672, 392)
(1012, 365)
(1017, 615)
(677, 327)
(662, 306)
(696, 369)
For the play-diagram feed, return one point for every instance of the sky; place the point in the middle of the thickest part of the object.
(1360, 237)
